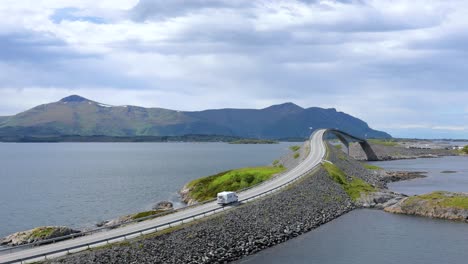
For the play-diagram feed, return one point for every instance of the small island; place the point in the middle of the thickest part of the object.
(441, 204)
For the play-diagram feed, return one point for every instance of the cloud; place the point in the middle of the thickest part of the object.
(399, 65)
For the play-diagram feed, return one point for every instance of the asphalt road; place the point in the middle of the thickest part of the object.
(316, 155)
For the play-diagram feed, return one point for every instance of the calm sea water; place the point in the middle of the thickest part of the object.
(80, 184)
(372, 236)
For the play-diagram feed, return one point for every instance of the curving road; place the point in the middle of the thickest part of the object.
(317, 153)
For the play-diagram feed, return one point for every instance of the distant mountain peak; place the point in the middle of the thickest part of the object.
(285, 107)
(74, 99)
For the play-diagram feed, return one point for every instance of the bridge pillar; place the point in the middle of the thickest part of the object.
(371, 156)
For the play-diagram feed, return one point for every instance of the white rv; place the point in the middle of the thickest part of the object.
(227, 197)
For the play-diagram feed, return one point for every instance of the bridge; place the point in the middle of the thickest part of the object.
(346, 138)
(34, 252)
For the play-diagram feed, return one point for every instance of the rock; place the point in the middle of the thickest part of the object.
(36, 235)
(444, 205)
(379, 199)
(185, 196)
(164, 205)
(395, 176)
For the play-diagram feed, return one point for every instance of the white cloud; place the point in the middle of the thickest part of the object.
(387, 62)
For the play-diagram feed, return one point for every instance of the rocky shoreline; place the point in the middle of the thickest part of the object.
(442, 205)
(37, 235)
(396, 176)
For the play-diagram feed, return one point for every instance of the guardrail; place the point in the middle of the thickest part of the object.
(141, 232)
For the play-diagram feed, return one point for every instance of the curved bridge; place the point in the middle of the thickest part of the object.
(346, 138)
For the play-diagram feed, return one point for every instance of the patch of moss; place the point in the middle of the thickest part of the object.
(42, 232)
(442, 199)
(148, 213)
(464, 150)
(353, 188)
(296, 155)
(295, 148)
(371, 167)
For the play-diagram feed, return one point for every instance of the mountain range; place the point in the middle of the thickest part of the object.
(75, 115)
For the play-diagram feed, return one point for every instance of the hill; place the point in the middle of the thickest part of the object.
(75, 115)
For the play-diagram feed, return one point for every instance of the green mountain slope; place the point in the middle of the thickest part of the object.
(75, 115)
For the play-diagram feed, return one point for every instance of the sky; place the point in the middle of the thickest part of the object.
(402, 66)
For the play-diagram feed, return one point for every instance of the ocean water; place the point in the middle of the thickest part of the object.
(368, 236)
(80, 184)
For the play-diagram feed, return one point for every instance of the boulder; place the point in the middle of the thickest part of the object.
(164, 205)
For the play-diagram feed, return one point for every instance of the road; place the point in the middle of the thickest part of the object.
(317, 153)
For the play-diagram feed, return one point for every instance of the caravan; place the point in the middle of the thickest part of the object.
(224, 198)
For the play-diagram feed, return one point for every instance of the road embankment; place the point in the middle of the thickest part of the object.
(249, 228)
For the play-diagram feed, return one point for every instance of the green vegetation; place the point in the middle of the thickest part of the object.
(338, 146)
(383, 142)
(276, 162)
(353, 188)
(442, 199)
(148, 213)
(42, 232)
(295, 148)
(464, 150)
(206, 188)
(254, 141)
(296, 155)
(371, 167)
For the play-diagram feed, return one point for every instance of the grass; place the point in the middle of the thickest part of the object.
(371, 167)
(338, 146)
(383, 142)
(353, 188)
(296, 155)
(295, 148)
(207, 188)
(42, 232)
(147, 213)
(464, 150)
(442, 199)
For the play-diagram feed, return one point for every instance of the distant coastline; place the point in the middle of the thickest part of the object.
(136, 139)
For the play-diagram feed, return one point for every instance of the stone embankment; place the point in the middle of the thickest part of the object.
(36, 235)
(251, 227)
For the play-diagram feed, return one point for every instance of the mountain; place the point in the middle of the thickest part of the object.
(75, 115)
